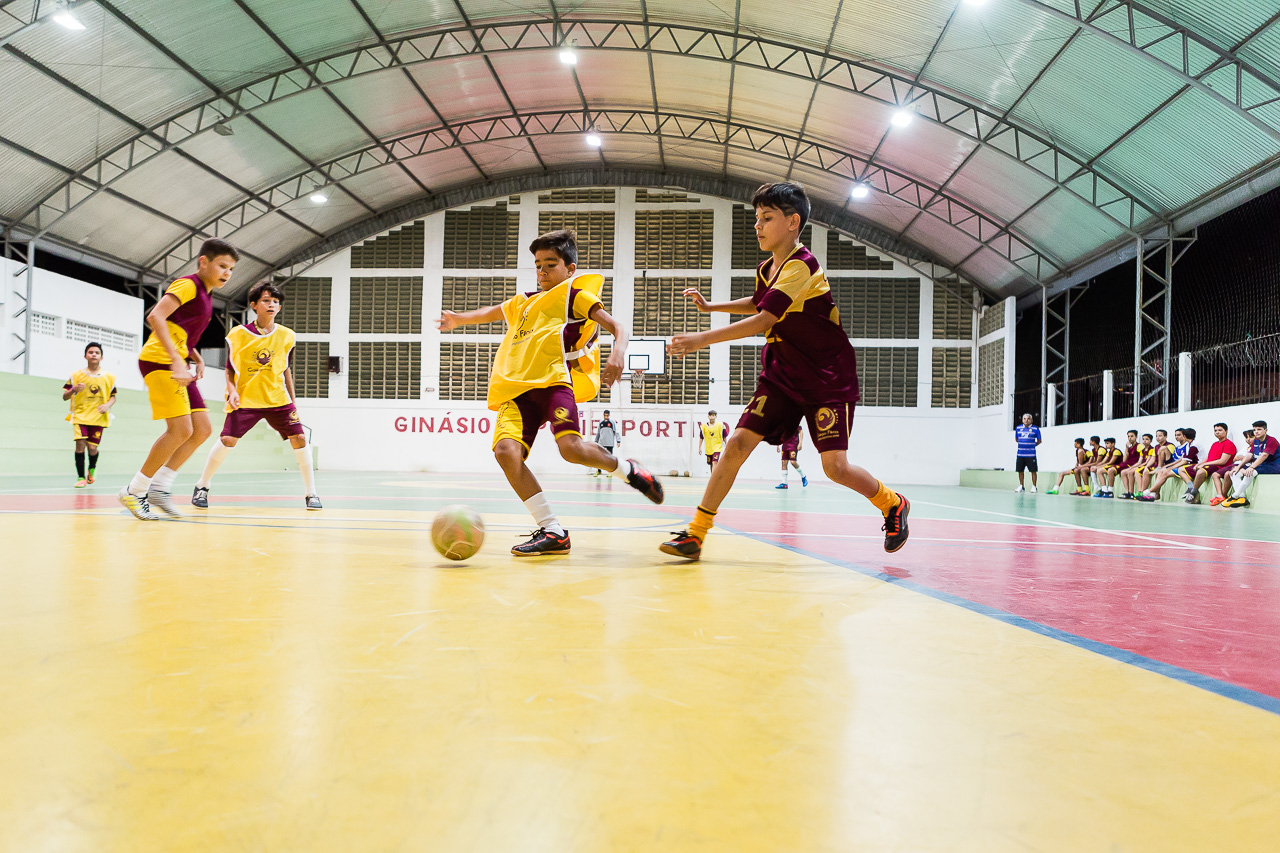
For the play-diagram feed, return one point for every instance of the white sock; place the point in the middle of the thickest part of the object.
(139, 484)
(163, 480)
(785, 472)
(542, 514)
(623, 471)
(304, 465)
(217, 454)
(799, 471)
(1237, 485)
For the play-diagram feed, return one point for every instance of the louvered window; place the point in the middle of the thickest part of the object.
(482, 238)
(878, 307)
(464, 369)
(746, 252)
(43, 324)
(991, 373)
(992, 320)
(644, 196)
(311, 369)
(740, 286)
(744, 370)
(386, 305)
(952, 316)
(306, 305)
(83, 333)
(844, 254)
(384, 370)
(674, 239)
(468, 294)
(662, 309)
(580, 196)
(887, 376)
(401, 249)
(952, 377)
(594, 230)
(687, 382)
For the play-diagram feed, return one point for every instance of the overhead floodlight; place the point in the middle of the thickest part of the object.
(568, 54)
(318, 197)
(902, 118)
(68, 20)
(859, 191)
(223, 129)
(594, 140)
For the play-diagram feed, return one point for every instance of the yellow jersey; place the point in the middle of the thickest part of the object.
(98, 389)
(713, 437)
(533, 353)
(186, 324)
(260, 362)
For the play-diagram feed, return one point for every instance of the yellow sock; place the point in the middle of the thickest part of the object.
(885, 498)
(701, 524)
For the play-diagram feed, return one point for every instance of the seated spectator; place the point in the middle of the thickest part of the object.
(1128, 458)
(1091, 472)
(1218, 458)
(1160, 451)
(1081, 458)
(1108, 467)
(1265, 461)
(1184, 453)
(1129, 473)
(1221, 478)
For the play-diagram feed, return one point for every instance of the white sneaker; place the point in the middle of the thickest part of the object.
(1020, 489)
(1033, 490)
(136, 504)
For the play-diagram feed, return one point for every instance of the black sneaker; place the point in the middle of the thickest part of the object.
(644, 482)
(895, 525)
(682, 544)
(200, 498)
(313, 502)
(543, 541)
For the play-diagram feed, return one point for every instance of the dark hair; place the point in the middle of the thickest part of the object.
(563, 242)
(1224, 426)
(1248, 433)
(1165, 431)
(1079, 441)
(1190, 433)
(213, 247)
(91, 345)
(1112, 440)
(1095, 439)
(785, 196)
(1262, 424)
(265, 288)
(1133, 432)
(1148, 435)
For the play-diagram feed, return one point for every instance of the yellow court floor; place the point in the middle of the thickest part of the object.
(260, 678)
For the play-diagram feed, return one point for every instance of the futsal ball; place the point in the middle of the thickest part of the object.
(457, 532)
(674, 473)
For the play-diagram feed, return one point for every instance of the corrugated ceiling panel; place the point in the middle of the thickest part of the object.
(251, 158)
(271, 237)
(692, 85)
(383, 187)
(314, 124)
(23, 181)
(924, 150)
(339, 212)
(1067, 226)
(462, 89)
(392, 18)
(387, 103)
(877, 29)
(115, 64)
(993, 52)
(770, 100)
(114, 226)
(248, 272)
(998, 273)
(1190, 147)
(807, 23)
(180, 188)
(537, 81)
(998, 184)
(566, 148)
(1094, 93)
(443, 169)
(327, 27)
(615, 79)
(631, 150)
(505, 156)
(49, 119)
(695, 156)
(1227, 22)
(946, 241)
(240, 53)
(1263, 52)
(844, 120)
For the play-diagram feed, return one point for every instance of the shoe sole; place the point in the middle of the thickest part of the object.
(906, 531)
(668, 549)
(136, 513)
(516, 553)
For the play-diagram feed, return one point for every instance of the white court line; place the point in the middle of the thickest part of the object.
(1172, 546)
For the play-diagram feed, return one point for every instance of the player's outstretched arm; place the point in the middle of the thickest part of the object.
(736, 306)
(450, 320)
(752, 327)
(611, 372)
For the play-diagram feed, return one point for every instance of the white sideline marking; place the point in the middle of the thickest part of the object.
(1171, 546)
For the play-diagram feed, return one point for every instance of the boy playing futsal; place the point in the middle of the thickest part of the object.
(177, 321)
(810, 370)
(92, 393)
(790, 450)
(260, 387)
(711, 438)
(531, 383)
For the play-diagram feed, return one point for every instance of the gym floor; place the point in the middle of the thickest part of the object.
(1030, 672)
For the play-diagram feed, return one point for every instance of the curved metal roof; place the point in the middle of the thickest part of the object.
(1044, 134)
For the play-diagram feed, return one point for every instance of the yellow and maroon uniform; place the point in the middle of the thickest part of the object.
(186, 325)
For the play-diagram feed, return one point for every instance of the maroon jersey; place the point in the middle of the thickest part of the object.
(806, 354)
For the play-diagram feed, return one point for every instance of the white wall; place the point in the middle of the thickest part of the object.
(66, 299)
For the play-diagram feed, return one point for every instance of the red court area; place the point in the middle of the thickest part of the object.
(1207, 605)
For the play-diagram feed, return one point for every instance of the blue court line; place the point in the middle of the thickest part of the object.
(1213, 685)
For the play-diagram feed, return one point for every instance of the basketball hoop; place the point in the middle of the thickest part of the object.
(637, 375)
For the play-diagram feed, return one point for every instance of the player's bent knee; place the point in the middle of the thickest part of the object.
(229, 441)
(179, 428)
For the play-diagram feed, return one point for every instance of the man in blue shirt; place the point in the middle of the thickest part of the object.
(1028, 436)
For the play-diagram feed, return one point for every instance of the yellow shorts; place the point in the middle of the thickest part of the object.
(168, 398)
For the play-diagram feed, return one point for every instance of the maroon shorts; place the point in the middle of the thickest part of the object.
(521, 418)
(713, 458)
(282, 419)
(91, 434)
(775, 415)
(1214, 469)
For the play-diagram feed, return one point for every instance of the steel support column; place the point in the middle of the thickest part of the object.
(28, 274)
(1055, 348)
(1152, 321)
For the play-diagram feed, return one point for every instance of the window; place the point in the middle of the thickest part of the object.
(386, 305)
(952, 377)
(384, 370)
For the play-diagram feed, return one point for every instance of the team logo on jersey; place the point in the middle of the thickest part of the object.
(263, 356)
(293, 417)
(826, 418)
(561, 413)
(93, 389)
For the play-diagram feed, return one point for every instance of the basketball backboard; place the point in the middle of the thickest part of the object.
(648, 355)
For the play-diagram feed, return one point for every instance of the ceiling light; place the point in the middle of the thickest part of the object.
(68, 20)
(902, 118)
(568, 55)
(594, 140)
(859, 191)
(223, 129)
(319, 197)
